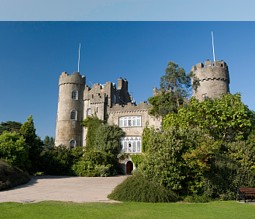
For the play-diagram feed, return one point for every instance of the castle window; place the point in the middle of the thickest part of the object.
(72, 143)
(204, 96)
(89, 112)
(131, 144)
(73, 115)
(130, 121)
(75, 95)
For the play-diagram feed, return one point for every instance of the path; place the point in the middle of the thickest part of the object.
(74, 189)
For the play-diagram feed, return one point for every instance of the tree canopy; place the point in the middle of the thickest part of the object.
(206, 148)
(10, 126)
(225, 118)
(174, 90)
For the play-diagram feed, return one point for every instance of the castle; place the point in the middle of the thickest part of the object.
(114, 104)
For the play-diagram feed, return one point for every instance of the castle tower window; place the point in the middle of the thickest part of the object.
(204, 96)
(131, 144)
(72, 143)
(89, 112)
(75, 95)
(130, 121)
(73, 115)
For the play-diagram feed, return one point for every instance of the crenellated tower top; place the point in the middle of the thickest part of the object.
(211, 79)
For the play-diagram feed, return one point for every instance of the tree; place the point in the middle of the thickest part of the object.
(92, 124)
(48, 142)
(102, 147)
(102, 137)
(165, 163)
(108, 138)
(33, 142)
(225, 118)
(174, 89)
(13, 149)
(10, 126)
(206, 148)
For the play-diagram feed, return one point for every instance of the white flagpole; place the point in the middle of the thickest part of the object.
(213, 47)
(79, 57)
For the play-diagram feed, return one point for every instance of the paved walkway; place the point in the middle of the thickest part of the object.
(74, 189)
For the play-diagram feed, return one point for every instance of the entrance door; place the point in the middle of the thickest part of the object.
(129, 167)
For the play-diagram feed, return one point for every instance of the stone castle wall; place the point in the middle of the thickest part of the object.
(213, 79)
(118, 111)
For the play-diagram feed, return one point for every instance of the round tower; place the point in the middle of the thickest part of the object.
(210, 80)
(70, 110)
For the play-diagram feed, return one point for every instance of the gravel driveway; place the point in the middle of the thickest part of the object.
(58, 188)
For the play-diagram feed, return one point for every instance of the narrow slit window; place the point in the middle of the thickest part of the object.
(75, 95)
(74, 115)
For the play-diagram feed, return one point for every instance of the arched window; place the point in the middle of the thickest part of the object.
(73, 115)
(72, 143)
(75, 95)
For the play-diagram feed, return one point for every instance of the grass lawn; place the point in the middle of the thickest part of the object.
(218, 210)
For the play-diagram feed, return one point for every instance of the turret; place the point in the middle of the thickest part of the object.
(70, 110)
(211, 79)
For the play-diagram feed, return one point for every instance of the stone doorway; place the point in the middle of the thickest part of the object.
(129, 167)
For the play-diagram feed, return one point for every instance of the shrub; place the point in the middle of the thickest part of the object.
(59, 160)
(13, 149)
(138, 159)
(11, 176)
(137, 188)
(95, 163)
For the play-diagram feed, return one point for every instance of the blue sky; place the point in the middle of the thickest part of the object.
(33, 55)
(113, 10)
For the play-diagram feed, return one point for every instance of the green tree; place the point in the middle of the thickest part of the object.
(225, 118)
(48, 142)
(92, 124)
(165, 163)
(59, 160)
(33, 142)
(206, 148)
(103, 142)
(174, 89)
(10, 126)
(13, 149)
(108, 138)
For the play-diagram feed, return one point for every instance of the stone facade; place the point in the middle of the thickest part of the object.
(108, 102)
(213, 79)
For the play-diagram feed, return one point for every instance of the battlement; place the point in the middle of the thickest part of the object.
(210, 64)
(212, 79)
(74, 78)
(130, 107)
(217, 70)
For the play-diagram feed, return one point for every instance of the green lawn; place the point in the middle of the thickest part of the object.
(61, 210)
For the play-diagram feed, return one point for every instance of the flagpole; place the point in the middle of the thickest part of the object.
(79, 57)
(213, 47)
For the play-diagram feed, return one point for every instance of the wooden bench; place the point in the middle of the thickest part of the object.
(246, 193)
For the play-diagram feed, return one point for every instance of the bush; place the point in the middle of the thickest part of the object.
(137, 188)
(13, 149)
(59, 160)
(11, 176)
(95, 163)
